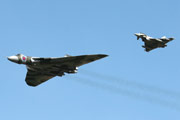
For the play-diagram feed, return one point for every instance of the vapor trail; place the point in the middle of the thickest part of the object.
(134, 84)
(125, 92)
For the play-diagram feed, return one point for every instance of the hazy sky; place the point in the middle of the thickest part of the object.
(129, 84)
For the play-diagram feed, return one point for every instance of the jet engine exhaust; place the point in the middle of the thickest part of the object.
(131, 89)
(129, 93)
(134, 84)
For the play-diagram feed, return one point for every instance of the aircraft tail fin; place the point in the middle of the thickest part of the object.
(67, 55)
(163, 37)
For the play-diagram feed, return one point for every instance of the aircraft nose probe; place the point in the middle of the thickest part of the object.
(13, 58)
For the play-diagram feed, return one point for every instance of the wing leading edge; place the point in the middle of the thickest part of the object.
(73, 60)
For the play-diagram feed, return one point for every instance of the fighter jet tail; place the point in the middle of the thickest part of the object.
(163, 37)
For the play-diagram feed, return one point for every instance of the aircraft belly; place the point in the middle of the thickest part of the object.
(55, 70)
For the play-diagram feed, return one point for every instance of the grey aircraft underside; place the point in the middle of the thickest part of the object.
(40, 69)
(153, 43)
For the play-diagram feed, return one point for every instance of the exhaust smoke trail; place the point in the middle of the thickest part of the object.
(134, 84)
(129, 93)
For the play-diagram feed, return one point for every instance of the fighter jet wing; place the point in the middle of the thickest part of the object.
(147, 49)
(149, 46)
(35, 78)
(154, 40)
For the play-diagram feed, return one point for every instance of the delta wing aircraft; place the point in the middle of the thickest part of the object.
(153, 43)
(41, 69)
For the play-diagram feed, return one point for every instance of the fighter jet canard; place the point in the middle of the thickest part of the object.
(153, 43)
(41, 69)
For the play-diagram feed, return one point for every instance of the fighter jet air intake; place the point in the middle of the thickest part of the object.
(153, 43)
(41, 69)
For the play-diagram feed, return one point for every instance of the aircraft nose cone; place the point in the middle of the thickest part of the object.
(13, 58)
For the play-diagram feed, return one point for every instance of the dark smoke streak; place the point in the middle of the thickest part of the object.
(125, 92)
(134, 84)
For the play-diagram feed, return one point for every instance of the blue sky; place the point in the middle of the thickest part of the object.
(129, 84)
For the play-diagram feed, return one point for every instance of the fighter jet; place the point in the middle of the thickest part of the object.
(152, 43)
(41, 69)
